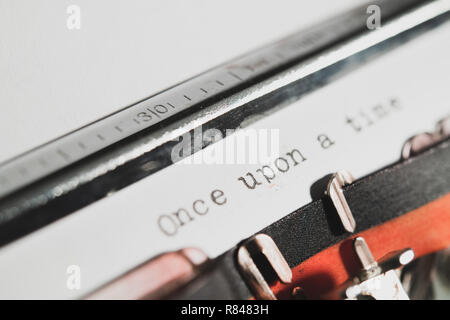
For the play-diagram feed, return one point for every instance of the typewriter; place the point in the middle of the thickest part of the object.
(314, 166)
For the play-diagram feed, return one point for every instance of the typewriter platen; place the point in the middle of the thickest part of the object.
(317, 166)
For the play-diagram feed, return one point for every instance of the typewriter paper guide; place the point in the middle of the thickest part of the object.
(119, 232)
(54, 80)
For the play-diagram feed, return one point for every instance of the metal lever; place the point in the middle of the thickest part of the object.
(377, 279)
(422, 141)
(264, 245)
(334, 191)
